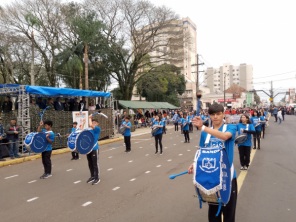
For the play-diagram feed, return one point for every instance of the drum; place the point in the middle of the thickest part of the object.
(240, 139)
(85, 142)
(39, 143)
(71, 142)
(154, 130)
(121, 130)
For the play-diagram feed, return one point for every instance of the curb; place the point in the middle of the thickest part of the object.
(58, 151)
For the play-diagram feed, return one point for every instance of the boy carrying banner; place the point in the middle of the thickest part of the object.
(220, 135)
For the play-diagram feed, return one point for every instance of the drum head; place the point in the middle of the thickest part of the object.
(71, 142)
(226, 179)
(29, 138)
(85, 142)
(39, 143)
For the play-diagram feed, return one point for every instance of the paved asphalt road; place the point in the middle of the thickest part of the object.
(135, 187)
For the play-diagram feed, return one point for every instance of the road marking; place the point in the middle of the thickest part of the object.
(158, 166)
(115, 188)
(243, 174)
(69, 170)
(132, 179)
(140, 147)
(196, 146)
(32, 181)
(110, 157)
(136, 142)
(180, 154)
(174, 144)
(78, 181)
(32, 199)
(188, 150)
(86, 203)
(130, 161)
(169, 160)
(110, 169)
(147, 171)
(165, 147)
(10, 177)
(147, 154)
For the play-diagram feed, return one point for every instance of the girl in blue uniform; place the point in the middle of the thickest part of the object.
(158, 134)
(244, 149)
(255, 120)
(185, 124)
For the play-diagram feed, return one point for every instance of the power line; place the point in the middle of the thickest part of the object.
(276, 74)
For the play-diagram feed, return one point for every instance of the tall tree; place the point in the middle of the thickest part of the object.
(135, 29)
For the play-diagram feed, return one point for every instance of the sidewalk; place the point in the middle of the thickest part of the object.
(117, 137)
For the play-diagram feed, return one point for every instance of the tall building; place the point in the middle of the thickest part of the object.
(220, 79)
(178, 47)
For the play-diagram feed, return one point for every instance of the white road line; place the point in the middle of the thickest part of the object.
(69, 170)
(169, 160)
(10, 177)
(165, 147)
(86, 203)
(174, 144)
(132, 179)
(196, 146)
(180, 154)
(130, 161)
(147, 171)
(147, 154)
(115, 188)
(188, 150)
(32, 181)
(140, 147)
(110, 157)
(136, 142)
(32, 199)
(78, 181)
(110, 169)
(158, 166)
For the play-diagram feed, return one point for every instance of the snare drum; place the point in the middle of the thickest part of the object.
(71, 142)
(85, 142)
(36, 142)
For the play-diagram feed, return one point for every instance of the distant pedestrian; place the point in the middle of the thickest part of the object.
(12, 131)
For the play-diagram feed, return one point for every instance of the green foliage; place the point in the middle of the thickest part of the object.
(164, 83)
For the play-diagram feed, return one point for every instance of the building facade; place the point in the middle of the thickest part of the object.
(220, 79)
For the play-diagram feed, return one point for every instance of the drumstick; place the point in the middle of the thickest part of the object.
(100, 113)
(173, 176)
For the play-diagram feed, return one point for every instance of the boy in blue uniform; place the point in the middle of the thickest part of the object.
(46, 161)
(127, 133)
(92, 157)
(216, 112)
(158, 134)
(185, 124)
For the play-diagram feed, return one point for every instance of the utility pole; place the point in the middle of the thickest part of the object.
(271, 94)
(198, 92)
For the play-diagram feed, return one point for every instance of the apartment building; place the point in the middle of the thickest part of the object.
(220, 79)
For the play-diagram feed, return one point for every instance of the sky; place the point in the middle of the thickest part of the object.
(259, 33)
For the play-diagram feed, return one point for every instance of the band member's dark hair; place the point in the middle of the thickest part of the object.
(48, 122)
(248, 118)
(216, 108)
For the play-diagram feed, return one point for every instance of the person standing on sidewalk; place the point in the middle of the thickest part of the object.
(2, 136)
(127, 133)
(46, 155)
(12, 131)
(93, 156)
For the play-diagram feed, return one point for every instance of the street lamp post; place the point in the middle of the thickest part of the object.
(224, 88)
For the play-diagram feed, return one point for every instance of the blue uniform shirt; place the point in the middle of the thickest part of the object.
(127, 131)
(183, 121)
(255, 120)
(51, 137)
(251, 127)
(160, 129)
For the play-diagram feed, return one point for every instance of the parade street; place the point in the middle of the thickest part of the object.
(135, 187)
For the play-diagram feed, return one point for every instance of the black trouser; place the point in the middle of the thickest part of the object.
(92, 159)
(176, 126)
(228, 211)
(46, 161)
(256, 138)
(158, 139)
(127, 141)
(244, 155)
(283, 117)
(263, 130)
(75, 155)
(164, 130)
(275, 117)
(186, 135)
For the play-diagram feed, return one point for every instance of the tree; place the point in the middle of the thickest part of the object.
(135, 29)
(236, 90)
